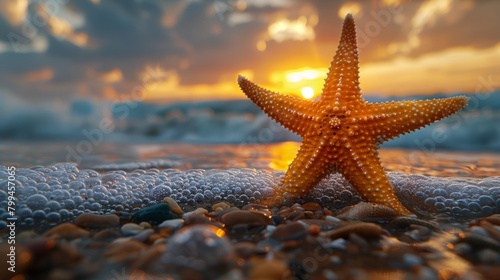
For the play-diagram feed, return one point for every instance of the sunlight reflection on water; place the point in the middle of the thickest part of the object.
(269, 157)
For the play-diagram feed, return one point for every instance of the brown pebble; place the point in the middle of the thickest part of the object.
(257, 208)
(88, 220)
(66, 230)
(123, 250)
(408, 221)
(107, 233)
(174, 207)
(268, 270)
(314, 230)
(322, 224)
(363, 229)
(131, 229)
(490, 229)
(311, 206)
(217, 207)
(239, 217)
(244, 249)
(145, 225)
(295, 216)
(149, 256)
(493, 219)
(365, 211)
(291, 244)
(196, 219)
(291, 231)
(197, 211)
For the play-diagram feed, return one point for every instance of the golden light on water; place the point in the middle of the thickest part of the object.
(282, 155)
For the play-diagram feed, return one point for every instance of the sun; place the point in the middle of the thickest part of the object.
(307, 92)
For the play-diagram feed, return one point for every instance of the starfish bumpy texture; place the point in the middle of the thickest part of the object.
(341, 131)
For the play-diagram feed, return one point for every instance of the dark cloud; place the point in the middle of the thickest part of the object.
(203, 46)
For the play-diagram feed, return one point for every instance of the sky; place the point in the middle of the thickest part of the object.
(160, 51)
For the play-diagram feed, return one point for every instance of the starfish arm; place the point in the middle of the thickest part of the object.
(361, 167)
(308, 168)
(398, 118)
(293, 113)
(342, 83)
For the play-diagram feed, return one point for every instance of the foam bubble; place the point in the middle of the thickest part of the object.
(45, 191)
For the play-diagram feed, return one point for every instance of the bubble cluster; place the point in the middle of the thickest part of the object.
(455, 197)
(60, 193)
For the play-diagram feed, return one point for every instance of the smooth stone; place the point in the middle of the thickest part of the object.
(412, 260)
(291, 231)
(492, 230)
(145, 225)
(217, 207)
(143, 235)
(362, 229)
(332, 219)
(88, 220)
(149, 256)
(199, 249)
(257, 208)
(66, 230)
(197, 211)
(312, 206)
(269, 270)
(493, 219)
(245, 249)
(174, 223)
(365, 211)
(239, 217)
(122, 250)
(129, 229)
(107, 234)
(154, 214)
(489, 256)
(174, 206)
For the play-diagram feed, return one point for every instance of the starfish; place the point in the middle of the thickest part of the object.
(341, 132)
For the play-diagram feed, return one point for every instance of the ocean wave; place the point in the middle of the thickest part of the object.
(221, 122)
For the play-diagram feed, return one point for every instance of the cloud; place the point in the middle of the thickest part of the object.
(14, 11)
(100, 49)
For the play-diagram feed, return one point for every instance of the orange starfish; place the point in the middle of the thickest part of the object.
(341, 131)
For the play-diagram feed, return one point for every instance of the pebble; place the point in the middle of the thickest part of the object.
(269, 270)
(362, 229)
(218, 207)
(311, 206)
(143, 235)
(175, 208)
(107, 234)
(145, 225)
(288, 232)
(130, 229)
(199, 250)
(174, 223)
(125, 249)
(412, 260)
(67, 231)
(197, 211)
(314, 230)
(88, 220)
(154, 214)
(365, 211)
(239, 217)
(332, 219)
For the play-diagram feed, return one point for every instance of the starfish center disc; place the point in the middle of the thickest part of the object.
(335, 122)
